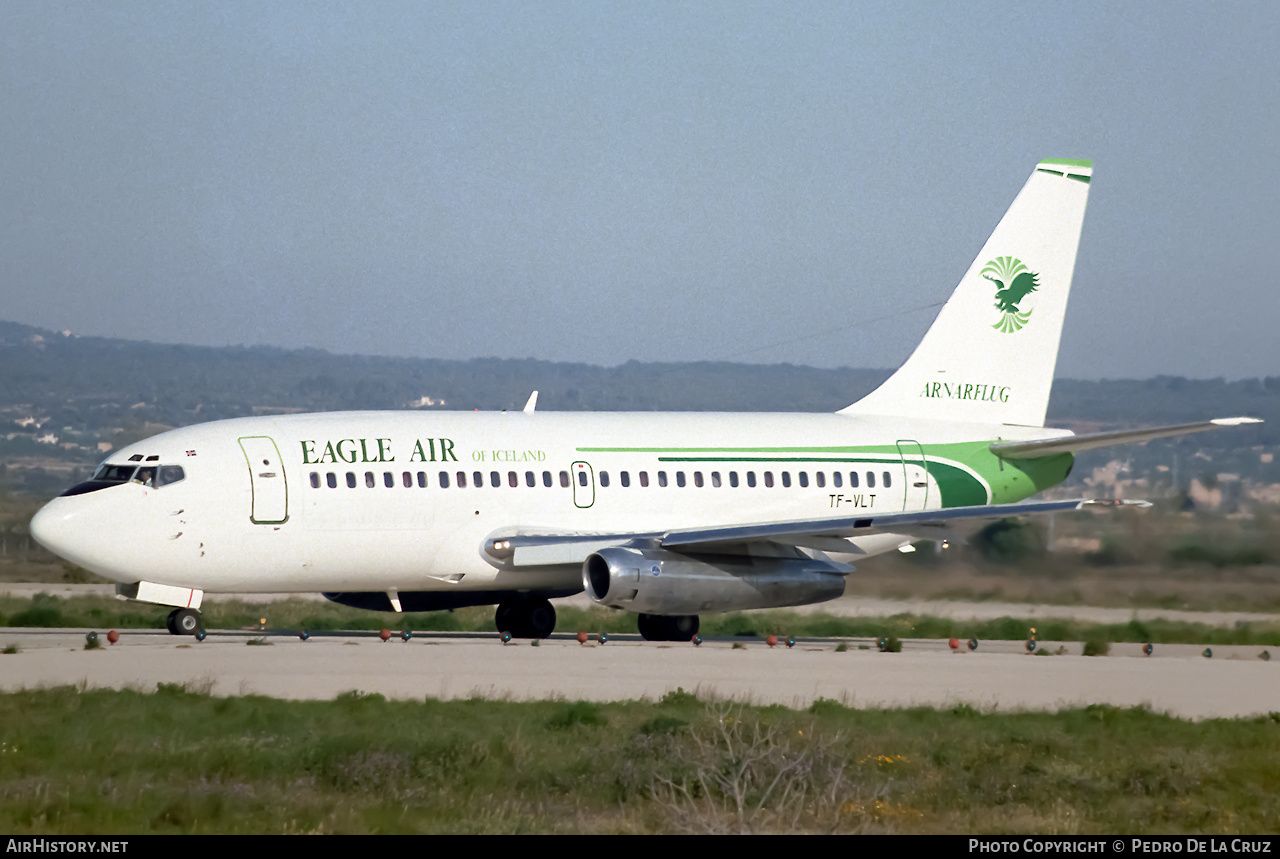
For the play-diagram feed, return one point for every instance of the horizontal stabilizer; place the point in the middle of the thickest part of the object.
(1077, 443)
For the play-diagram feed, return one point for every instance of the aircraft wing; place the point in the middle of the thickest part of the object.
(1076, 443)
(826, 534)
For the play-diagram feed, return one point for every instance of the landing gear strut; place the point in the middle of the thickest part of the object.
(675, 627)
(526, 618)
(184, 621)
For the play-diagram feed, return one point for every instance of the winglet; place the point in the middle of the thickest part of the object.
(532, 404)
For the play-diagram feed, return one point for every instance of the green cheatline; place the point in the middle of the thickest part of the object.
(1069, 162)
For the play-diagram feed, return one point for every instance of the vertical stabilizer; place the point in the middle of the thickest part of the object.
(990, 354)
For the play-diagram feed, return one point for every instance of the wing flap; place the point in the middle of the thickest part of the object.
(827, 534)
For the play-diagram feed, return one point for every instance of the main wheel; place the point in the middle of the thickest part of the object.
(526, 618)
(184, 621)
(676, 627)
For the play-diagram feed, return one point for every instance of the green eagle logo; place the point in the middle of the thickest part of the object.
(1014, 282)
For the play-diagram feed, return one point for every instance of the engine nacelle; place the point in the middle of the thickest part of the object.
(659, 581)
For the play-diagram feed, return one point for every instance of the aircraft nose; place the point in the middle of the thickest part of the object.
(50, 527)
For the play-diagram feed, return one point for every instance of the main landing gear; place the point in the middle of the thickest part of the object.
(526, 618)
(660, 627)
(184, 621)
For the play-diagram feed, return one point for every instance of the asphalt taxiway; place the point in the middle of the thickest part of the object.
(1175, 679)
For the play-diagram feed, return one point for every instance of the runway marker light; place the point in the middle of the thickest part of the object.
(201, 635)
(604, 638)
(1208, 653)
(404, 635)
(262, 624)
(385, 635)
(91, 641)
(506, 638)
(583, 638)
(973, 644)
(113, 637)
(1147, 648)
(771, 640)
(954, 644)
(791, 641)
(697, 640)
(304, 635)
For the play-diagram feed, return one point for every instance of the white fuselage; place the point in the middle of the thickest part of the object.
(405, 501)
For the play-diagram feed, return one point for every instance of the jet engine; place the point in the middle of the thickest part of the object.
(659, 581)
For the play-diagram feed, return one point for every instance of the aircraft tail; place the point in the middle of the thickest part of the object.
(990, 354)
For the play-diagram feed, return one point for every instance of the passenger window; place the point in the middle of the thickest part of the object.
(786, 479)
(835, 479)
(530, 479)
(871, 480)
(407, 480)
(422, 480)
(886, 483)
(644, 478)
(564, 480)
(513, 479)
(477, 480)
(546, 478)
(351, 480)
(804, 479)
(332, 480)
(495, 479)
(853, 480)
(604, 478)
(624, 478)
(444, 480)
(768, 479)
(368, 480)
(315, 480)
(662, 478)
(679, 478)
(582, 478)
(697, 479)
(820, 478)
(733, 478)
(751, 479)
(389, 479)
(715, 480)
(462, 479)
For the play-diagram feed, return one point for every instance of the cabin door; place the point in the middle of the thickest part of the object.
(267, 482)
(915, 475)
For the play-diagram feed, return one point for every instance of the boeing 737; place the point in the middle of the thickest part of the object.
(669, 515)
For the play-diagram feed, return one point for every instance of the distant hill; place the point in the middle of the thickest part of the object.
(63, 396)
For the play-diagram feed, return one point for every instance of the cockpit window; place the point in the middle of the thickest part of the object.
(169, 474)
(114, 473)
(109, 475)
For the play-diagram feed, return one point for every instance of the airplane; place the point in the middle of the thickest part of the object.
(668, 515)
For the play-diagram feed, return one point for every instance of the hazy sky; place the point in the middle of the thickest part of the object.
(606, 181)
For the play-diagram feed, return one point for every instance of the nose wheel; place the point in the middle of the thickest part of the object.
(184, 621)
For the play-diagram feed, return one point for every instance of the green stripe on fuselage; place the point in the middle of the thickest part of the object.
(963, 471)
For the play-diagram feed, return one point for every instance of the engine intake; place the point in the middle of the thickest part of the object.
(659, 581)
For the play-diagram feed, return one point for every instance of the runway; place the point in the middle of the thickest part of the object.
(1176, 679)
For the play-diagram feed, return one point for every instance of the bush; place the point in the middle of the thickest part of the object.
(1096, 647)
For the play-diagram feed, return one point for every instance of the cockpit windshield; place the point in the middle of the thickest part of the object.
(109, 475)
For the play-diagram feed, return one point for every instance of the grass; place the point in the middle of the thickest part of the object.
(44, 610)
(178, 760)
